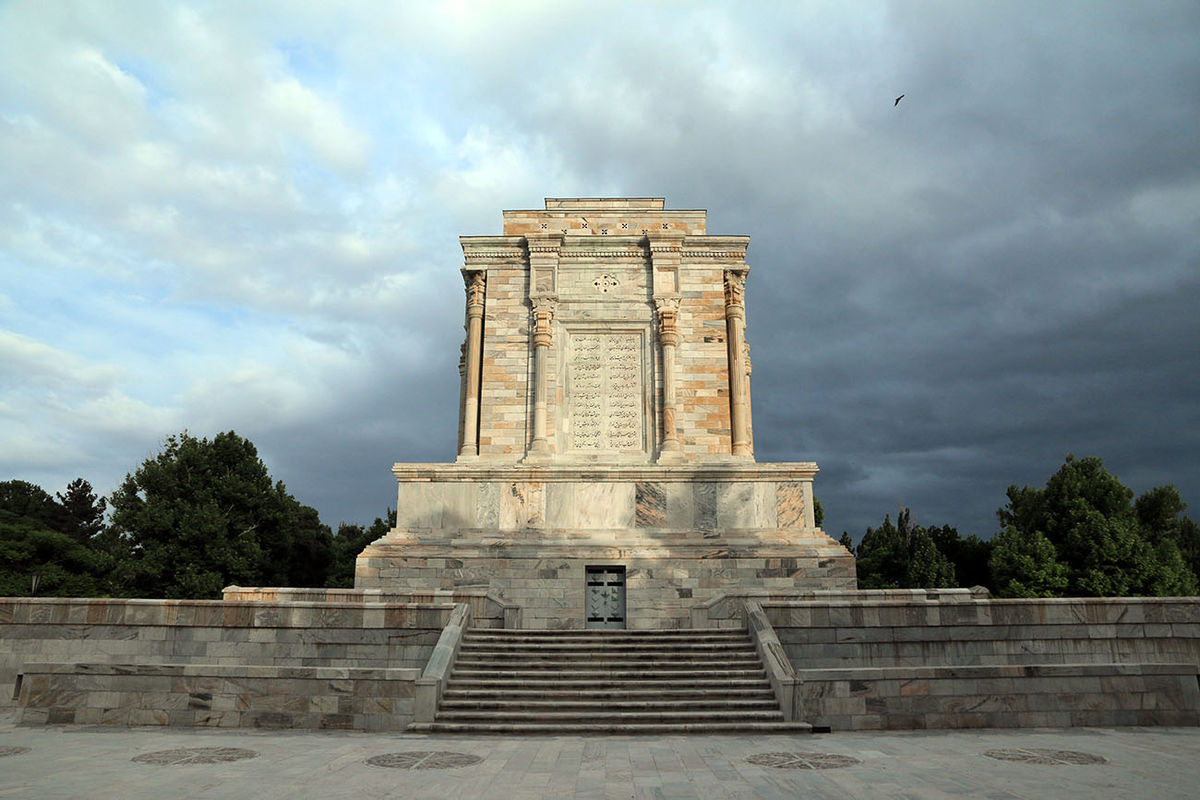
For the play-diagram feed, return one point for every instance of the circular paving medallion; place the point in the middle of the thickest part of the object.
(8, 750)
(424, 759)
(1042, 755)
(802, 760)
(196, 755)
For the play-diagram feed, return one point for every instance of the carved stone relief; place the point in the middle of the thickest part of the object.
(605, 392)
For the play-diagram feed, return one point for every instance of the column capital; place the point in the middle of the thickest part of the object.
(476, 281)
(735, 289)
(667, 307)
(543, 309)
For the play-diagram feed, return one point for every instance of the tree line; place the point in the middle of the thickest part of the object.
(199, 516)
(1083, 535)
(203, 514)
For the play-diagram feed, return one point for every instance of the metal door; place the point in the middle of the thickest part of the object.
(605, 603)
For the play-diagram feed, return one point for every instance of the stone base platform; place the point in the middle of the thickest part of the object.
(683, 534)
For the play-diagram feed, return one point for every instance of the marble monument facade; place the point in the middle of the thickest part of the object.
(605, 422)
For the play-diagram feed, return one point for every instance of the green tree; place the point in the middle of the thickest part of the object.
(901, 556)
(846, 541)
(60, 565)
(31, 501)
(83, 512)
(1109, 547)
(204, 514)
(969, 556)
(818, 512)
(348, 543)
(1025, 565)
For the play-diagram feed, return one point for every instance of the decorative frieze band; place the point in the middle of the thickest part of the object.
(732, 255)
(485, 255)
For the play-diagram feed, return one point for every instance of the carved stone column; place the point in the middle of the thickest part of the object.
(543, 319)
(476, 284)
(667, 307)
(739, 390)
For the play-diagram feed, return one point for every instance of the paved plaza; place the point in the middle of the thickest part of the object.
(131, 764)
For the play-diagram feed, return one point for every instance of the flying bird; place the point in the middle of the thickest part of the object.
(898, 99)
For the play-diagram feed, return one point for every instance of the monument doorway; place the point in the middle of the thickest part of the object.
(605, 603)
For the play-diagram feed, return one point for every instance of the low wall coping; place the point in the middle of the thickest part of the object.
(991, 671)
(221, 671)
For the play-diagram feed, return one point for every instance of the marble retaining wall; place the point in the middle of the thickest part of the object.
(1031, 696)
(217, 633)
(961, 632)
(207, 695)
(953, 659)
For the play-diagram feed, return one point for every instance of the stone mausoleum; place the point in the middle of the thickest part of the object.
(605, 474)
(605, 479)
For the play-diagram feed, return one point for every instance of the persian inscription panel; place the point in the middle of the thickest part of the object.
(604, 393)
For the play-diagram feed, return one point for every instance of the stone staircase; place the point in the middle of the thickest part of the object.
(608, 681)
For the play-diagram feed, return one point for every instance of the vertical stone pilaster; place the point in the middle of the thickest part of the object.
(667, 308)
(544, 249)
(739, 390)
(544, 306)
(476, 287)
(666, 255)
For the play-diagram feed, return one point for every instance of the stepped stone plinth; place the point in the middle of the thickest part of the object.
(605, 474)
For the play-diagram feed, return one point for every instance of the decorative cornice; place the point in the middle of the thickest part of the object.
(737, 255)
(492, 255)
(627, 253)
(730, 470)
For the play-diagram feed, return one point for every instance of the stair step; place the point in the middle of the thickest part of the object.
(702, 715)
(759, 690)
(457, 683)
(606, 674)
(608, 681)
(610, 664)
(619, 729)
(604, 641)
(591, 705)
(678, 632)
(587, 649)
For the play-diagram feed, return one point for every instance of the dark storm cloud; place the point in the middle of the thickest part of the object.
(946, 296)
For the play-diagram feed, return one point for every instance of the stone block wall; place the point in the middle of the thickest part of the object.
(902, 659)
(219, 633)
(1032, 696)
(919, 632)
(487, 610)
(207, 695)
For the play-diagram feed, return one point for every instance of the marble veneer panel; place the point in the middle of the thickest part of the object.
(651, 505)
(522, 504)
(790, 503)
